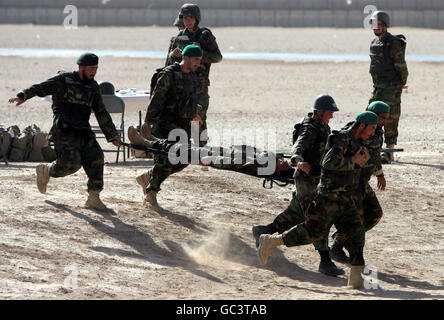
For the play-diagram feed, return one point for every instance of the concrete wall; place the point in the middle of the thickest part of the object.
(280, 13)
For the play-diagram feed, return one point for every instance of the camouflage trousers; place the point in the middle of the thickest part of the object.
(204, 100)
(370, 211)
(329, 209)
(162, 167)
(392, 96)
(295, 212)
(77, 148)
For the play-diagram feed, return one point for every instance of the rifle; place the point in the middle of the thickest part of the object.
(287, 153)
(280, 180)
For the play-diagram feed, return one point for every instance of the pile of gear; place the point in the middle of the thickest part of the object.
(24, 145)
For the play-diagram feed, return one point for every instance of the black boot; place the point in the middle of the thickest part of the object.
(258, 230)
(337, 253)
(327, 267)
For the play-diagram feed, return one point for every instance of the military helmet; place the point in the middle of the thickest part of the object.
(325, 102)
(381, 16)
(190, 9)
(178, 22)
(106, 87)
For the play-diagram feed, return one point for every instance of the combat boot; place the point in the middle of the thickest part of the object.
(258, 230)
(388, 157)
(267, 243)
(144, 179)
(94, 201)
(150, 200)
(327, 267)
(337, 253)
(355, 280)
(42, 171)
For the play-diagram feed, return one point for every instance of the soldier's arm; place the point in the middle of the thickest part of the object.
(170, 58)
(375, 152)
(335, 158)
(46, 88)
(103, 118)
(305, 140)
(397, 55)
(208, 44)
(159, 97)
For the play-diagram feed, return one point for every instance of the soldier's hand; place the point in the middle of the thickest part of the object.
(361, 156)
(381, 183)
(16, 100)
(304, 166)
(117, 142)
(282, 165)
(177, 53)
(198, 119)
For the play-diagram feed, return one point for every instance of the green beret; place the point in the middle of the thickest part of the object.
(367, 117)
(88, 59)
(192, 50)
(379, 107)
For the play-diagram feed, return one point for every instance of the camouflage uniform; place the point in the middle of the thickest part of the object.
(75, 143)
(309, 147)
(173, 105)
(335, 202)
(389, 73)
(211, 54)
(368, 203)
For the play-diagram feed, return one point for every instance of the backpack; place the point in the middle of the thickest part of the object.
(297, 130)
(401, 38)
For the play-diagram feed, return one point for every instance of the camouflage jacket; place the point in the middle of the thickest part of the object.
(310, 144)
(173, 103)
(388, 66)
(339, 172)
(374, 164)
(211, 53)
(73, 101)
(374, 147)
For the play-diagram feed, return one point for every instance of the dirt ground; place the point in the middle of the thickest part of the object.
(200, 245)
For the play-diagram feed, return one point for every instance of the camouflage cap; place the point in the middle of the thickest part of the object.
(88, 59)
(367, 117)
(192, 50)
(379, 107)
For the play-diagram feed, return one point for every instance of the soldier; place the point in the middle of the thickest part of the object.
(371, 210)
(173, 105)
(179, 23)
(335, 199)
(193, 34)
(307, 152)
(389, 72)
(75, 95)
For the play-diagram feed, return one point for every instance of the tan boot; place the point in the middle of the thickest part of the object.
(42, 171)
(135, 138)
(355, 280)
(145, 131)
(143, 180)
(150, 200)
(94, 201)
(267, 243)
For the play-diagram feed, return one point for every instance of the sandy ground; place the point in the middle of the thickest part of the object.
(200, 246)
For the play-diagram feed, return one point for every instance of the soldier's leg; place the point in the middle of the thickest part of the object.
(350, 223)
(92, 161)
(204, 101)
(340, 238)
(372, 209)
(68, 160)
(392, 96)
